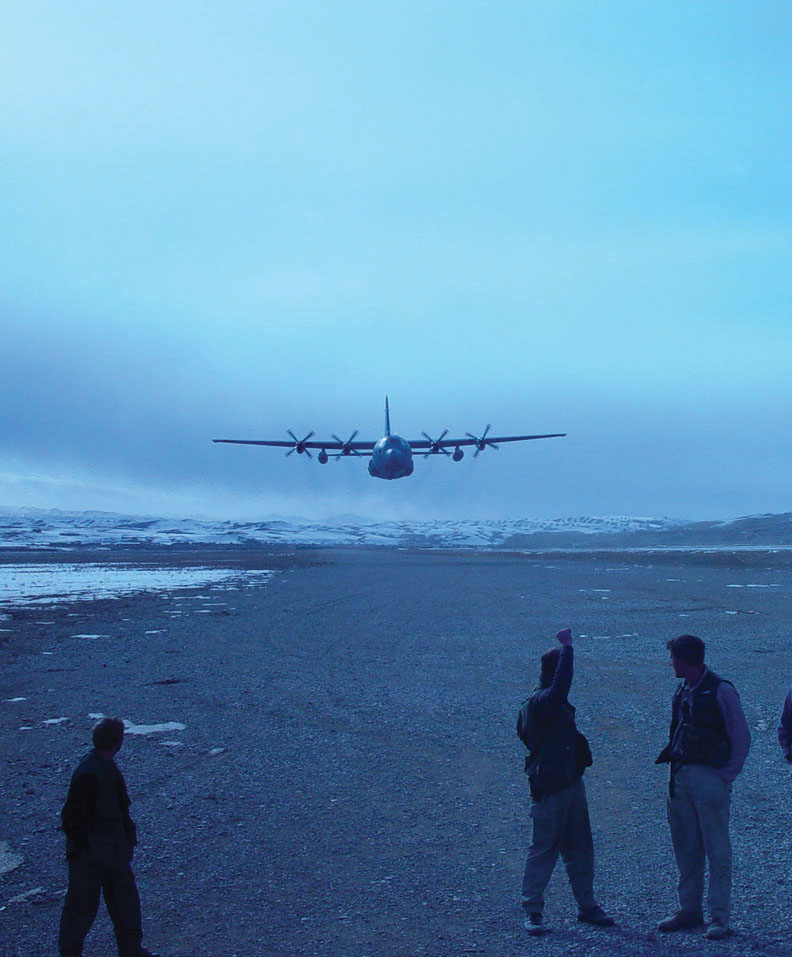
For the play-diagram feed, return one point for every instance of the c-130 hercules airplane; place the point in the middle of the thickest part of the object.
(391, 456)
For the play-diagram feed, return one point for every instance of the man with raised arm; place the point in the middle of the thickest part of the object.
(708, 743)
(558, 756)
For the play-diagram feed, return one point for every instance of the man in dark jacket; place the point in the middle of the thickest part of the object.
(708, 743)
(785, 728)
(558, 756)
(100, 837)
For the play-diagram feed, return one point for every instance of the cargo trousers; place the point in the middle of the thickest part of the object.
(698, 818)
(86, 881)
(560, 826)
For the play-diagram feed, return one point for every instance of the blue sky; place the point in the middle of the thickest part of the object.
(230, 220)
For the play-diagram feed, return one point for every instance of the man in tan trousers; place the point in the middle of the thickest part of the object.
(707, 746)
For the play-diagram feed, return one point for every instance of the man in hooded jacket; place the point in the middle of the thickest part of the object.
(558, 756)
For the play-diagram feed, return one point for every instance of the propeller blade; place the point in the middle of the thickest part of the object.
(345, 446)
(299, 444)
(435, 448)
(481, 443)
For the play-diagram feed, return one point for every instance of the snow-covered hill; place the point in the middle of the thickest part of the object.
(48, 528)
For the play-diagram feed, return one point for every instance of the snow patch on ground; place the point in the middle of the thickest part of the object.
(131, 728)
(9, 860)
(50, 583)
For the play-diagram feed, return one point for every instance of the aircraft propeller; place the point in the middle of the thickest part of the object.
(436, 447)
(481, 443)
(299, 444)
(346, 447)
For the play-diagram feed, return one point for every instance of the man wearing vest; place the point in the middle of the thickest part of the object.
(559, 754)
(707, 746)
(100, 837)
(785, 728)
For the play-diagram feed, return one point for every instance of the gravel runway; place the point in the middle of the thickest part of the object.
(347, 780)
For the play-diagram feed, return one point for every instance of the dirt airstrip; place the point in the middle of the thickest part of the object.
(325, 763)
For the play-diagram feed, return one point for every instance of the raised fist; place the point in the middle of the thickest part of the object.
(565, 636)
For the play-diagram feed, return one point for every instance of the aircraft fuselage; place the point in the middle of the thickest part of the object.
(391, 458)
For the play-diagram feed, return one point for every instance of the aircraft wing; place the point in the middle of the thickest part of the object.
(472, 440)
(332, 445)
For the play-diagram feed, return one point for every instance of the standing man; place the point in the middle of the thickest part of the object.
(559, 754)
(785, 728)
(707, 746)
(100, 837)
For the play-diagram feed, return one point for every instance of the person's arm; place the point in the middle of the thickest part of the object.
(78, 811)
(123, 797)
(785, 727)
(736, 730)
(549, 700)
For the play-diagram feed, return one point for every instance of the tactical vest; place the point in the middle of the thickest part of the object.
(108, 842)
(703, 738)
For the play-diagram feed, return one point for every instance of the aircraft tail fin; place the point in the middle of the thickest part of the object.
(387, 417)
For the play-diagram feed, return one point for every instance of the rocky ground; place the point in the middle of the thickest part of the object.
(347, 780)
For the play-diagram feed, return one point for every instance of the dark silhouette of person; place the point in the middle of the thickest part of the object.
(708, 742)
(100, 840)
(558, 756)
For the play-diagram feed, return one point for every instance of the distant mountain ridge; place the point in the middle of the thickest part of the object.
(52, 528)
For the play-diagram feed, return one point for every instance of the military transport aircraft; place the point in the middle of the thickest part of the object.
(391, 456)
